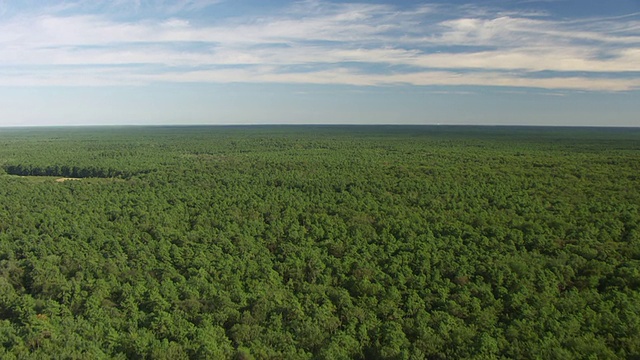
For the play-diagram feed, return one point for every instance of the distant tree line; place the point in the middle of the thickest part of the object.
(69, 171)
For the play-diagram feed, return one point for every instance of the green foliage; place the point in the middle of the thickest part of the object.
(319, 243)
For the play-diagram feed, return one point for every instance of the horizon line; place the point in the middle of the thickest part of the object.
(314, 124)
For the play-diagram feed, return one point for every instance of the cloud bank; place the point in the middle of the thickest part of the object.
(315, 42)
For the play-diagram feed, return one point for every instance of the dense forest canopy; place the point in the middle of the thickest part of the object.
(320, 242)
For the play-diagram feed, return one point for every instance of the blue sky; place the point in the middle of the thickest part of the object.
(520, 62)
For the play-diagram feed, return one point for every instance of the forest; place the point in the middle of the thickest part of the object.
(319, 242)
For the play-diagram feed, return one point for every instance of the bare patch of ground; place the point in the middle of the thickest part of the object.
(66, 179)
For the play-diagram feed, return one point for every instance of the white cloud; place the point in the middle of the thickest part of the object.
(352, 44)
(344, 76)
(128, 7)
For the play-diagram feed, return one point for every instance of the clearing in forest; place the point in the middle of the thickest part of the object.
(66, 178)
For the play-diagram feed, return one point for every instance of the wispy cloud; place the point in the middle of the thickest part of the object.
(139, 8)
(316, 42)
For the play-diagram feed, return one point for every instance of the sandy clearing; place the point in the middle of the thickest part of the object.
(66, 178)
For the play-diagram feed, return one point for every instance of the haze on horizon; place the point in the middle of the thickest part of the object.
(155, 62)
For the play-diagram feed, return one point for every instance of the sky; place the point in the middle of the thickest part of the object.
(158, 62)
